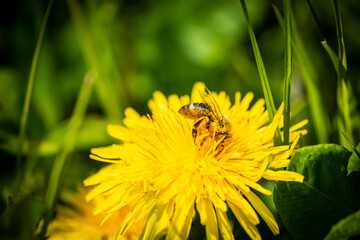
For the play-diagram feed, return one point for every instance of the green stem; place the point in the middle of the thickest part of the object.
(334, 59)
(104, 88)
(319, 116)
(68, 146)
(317, 25)
(262, 72)
(340, 34)
(29, 88)
(288, 70)
(344, 90)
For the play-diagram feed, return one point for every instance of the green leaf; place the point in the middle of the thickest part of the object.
(309, 209)
(345, 228)
(354, 161)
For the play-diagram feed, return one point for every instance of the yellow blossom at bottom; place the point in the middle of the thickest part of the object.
(78, 221)
(167, 172)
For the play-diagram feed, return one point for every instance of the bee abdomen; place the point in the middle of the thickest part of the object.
(194, 110)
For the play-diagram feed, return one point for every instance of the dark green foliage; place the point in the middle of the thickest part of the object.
(345, 228)
(133, 48)
(327, 195)
(354, 161)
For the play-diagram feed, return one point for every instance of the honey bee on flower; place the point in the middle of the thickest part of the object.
(159, 172)
(209, 121)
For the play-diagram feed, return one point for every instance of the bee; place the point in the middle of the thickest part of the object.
(208, 121)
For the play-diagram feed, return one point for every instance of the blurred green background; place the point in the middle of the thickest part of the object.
(134, 48)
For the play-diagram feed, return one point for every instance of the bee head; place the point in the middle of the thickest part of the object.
(224, 122)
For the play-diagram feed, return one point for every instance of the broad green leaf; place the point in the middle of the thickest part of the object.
(354, 161)
(309, 209)
(346, 228)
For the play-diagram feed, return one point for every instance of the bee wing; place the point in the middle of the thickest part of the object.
(215, 109)
(216, 105)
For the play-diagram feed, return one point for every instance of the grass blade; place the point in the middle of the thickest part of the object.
(344, 91)
(288, 70)
(343, 86)
(319, 116)
(353, 148)
(340, 33)
(104, 90)
(317, 25)
(262, 72)
(69, 142)
(344, 97)
(29, 88)
(334, 59)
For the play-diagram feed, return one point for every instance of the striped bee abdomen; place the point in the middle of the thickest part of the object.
(195, 110)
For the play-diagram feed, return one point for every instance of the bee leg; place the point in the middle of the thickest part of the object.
(219, 139)
(222, 142)
(200, 129)
(225, 140)
(194, 133)
(195, 126)
(219, 149)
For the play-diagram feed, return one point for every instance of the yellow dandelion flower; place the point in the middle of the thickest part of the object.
(78, 221)
(169, 165)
